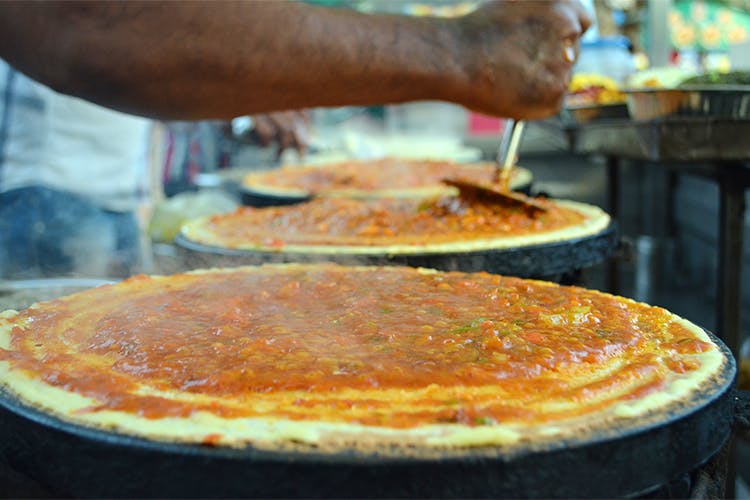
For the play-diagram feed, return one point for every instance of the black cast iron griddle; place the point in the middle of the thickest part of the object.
(531, 261)
(71, 460)
(260, 198)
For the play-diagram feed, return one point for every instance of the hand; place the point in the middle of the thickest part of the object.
(289, 129)
(520, 54)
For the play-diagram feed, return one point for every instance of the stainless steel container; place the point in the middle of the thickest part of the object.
(715, 101)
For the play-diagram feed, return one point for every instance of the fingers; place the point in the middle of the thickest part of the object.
(302, 132)
(289, 129)
(575, 21)
(533, 44)
(584, 17)
(264, 129)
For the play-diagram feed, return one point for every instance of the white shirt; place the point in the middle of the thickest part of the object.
(63, 142)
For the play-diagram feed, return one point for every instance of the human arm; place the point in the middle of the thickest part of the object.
(198, 60)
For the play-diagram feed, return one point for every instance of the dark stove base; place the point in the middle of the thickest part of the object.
(14, 484)
(707, 482)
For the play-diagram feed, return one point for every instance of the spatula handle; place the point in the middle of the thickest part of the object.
(506, 153)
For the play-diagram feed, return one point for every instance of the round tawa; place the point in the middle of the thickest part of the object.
(532, 261)
(70, 460)
(255, 198)
(266, 196)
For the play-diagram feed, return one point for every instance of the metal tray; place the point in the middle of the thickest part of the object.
(578, 115)
(676, 138)
(716, 101)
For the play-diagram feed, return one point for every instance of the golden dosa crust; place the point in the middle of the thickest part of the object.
(675, 353)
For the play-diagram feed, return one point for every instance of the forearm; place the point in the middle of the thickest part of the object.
(219, 60)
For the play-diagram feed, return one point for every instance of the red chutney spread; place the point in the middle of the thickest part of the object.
(382, 223)
(387, 173)
(390, 346)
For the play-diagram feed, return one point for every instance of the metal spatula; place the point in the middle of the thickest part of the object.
(507, 151)
(506, 158)
(475, 189)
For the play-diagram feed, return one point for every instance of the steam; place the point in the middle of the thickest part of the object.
(91, 250)
(48, 234)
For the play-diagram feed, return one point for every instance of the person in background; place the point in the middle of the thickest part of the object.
(220, 60)
(194, 147)
(72, 175)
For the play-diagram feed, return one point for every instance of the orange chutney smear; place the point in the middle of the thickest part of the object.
(338, 221)
(300, 339)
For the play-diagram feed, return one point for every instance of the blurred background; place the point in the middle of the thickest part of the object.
(667, 221)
